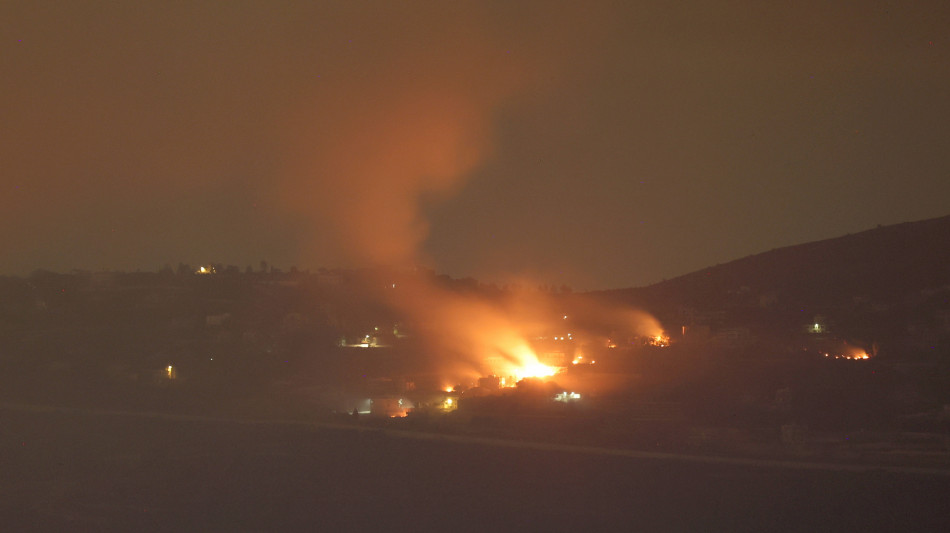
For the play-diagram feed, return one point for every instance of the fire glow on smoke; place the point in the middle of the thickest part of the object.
(521, 335)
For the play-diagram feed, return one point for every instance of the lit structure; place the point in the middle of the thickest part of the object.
(567, 397)
(449, 404)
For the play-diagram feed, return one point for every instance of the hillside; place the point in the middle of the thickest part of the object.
(883, 264)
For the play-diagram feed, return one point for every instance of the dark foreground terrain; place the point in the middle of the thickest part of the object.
(87, 470)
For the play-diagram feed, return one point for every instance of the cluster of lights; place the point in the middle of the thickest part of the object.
(566, 396)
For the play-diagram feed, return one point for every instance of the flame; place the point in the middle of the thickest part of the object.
(467, 335)
(660, 340)
(850, 352)
(523, 363)
(535, 370)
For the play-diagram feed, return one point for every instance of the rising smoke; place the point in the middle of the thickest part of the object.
(374, 143)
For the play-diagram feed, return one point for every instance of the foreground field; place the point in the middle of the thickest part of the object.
(89, 470)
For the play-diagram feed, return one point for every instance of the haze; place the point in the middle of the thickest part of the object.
(592, 144)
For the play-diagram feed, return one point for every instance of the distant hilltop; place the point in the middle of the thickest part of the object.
(884, 263)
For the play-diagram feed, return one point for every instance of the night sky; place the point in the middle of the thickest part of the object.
(594, 144)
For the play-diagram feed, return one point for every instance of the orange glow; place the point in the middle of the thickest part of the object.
(473, 337)
(659, 340)
(521, 362)
(579, 360)
(856, 355)
(535, 370)
(850, 352)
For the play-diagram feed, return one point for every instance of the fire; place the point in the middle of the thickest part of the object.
(535, 370)
(660, 340)
(521, 362)
(476, 336)
(850, 352)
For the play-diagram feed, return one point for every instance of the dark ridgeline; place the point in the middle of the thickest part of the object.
(884, 264)
(878, 286)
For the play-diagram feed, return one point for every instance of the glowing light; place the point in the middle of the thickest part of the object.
(660, 340)
(535, 370)
(449, 404)
(567, 396)
(580, 359)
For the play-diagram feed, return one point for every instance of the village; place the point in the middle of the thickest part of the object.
(564, 367)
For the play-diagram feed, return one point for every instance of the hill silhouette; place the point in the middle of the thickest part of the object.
(883, 264)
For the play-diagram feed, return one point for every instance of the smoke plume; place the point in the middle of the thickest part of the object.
(374, 143)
